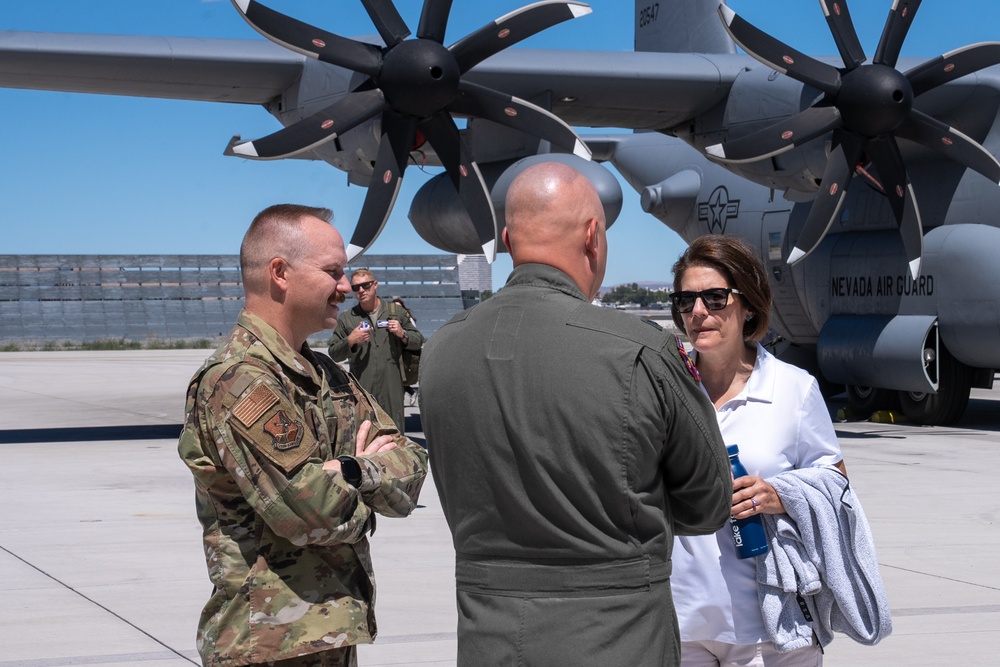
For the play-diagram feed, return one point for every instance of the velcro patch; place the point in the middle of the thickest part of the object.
(287, 433)
(250, 408)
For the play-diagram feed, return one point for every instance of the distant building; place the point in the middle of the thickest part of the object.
(475, 273)
(141, 297)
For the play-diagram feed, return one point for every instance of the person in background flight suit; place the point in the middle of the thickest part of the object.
(372, 336)
(569, 444)
(291, 458)
(409, 390)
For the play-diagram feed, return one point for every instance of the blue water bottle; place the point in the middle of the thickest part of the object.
(748, 534)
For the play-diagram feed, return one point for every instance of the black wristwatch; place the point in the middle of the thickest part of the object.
(351, 470)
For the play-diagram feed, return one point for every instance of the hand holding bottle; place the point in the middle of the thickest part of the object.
(748, 533)
(752, 495)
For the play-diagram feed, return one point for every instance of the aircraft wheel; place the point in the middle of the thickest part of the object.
(866, 400)
(946, 406)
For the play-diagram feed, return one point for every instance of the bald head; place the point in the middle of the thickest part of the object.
(555, 217)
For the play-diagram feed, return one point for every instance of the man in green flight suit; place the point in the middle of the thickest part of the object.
(373, 335)
(569, 444)
(290, 458)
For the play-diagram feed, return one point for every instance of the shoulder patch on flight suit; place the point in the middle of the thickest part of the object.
(250, 408)
(281, 436)
(273, 427)
(286, 433)
(686, 358)
(243, 380)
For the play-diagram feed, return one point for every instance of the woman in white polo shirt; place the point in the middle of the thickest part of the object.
(777, 416)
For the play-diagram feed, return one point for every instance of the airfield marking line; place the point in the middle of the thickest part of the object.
(936, 576)
(84, 403)
(935, 611)
(52, 397)
(125, 658)
(97, 604)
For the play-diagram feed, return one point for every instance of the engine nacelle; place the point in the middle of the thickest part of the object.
(898, 352)
(320, 85)
(440, 218)
(968, 290)
(758, 98)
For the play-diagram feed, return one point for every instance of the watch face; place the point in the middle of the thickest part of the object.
(351, 470)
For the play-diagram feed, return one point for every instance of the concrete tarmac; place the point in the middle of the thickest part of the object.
(100, 550)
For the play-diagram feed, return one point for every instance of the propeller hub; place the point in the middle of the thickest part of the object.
(419, 77)
(874, 100)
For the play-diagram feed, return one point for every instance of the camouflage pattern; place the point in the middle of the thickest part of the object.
(337, 657)
(285, 540)
(376, 364)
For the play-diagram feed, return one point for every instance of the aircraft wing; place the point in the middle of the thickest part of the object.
(585, 88)
(210, 70)
(638, 90)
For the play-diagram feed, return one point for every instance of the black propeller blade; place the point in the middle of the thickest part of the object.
(443, 135)
(778, 55)
(515, 113)
(839, 170)
(922, 129)
(512, 28)
(341, 116)
(780, 137)
(390, 25)
(434, 20)
(309, 41)
(952, 65)
(387, 176)
(867, 107)
(415, 84)
(842, 28)
(911, 229)
(885, 155)
(896, 27)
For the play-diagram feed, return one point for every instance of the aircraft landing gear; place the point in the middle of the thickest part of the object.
(946, 406)
(863, 401)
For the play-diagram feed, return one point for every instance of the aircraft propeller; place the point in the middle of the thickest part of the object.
(415, 85)
(866, 107)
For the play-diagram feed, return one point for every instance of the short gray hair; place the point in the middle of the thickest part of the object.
(275, 232)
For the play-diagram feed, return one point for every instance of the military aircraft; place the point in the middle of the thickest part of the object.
(867, 187)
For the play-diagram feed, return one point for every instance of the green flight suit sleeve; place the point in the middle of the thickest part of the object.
(414, 339)
(695, 465)
(340, 348)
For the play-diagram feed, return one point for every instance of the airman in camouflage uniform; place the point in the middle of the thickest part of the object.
(284, 525)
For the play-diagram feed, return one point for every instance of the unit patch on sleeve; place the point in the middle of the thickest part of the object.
(279, 436)
(250, 408)
(286, 433)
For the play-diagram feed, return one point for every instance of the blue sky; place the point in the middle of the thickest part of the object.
(98, 174)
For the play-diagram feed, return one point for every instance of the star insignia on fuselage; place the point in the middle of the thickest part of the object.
(718, 210)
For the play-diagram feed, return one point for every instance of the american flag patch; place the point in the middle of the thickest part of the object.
(250, 408)
(692, 369)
